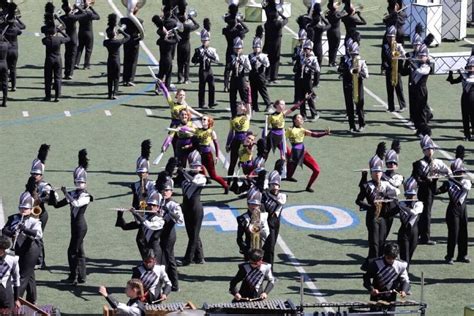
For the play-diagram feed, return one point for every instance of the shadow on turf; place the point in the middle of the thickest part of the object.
(350, 242)
(354, 260)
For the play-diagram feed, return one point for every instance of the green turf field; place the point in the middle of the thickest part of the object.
(330, 258)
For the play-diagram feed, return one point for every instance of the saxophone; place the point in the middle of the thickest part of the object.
(255, 228)
(143, 193)
(355, 78)
(394, 62)
(379, 204)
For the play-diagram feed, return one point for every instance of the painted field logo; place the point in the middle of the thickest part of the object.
(313, 217)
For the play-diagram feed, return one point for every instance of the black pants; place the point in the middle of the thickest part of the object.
(69, 58)
(349, 100)
(274, 58)
(193, 216)
(27, 264)
(168, 239)
(86, 40)
(206, 77)
(6, 296)
(44, 220)
(424, 224)
(113, 77)
(130, 60)
(154, 244)
(237, 84)
(52, 70)
(183, 58)
(334, 38)
(305, 85)
(12, 58)
(377, 232)
(398, 90)
(407, 241)
(467, 111)
(457, 219)
(258, 85)
(75, 253)
(4, 80)
(234, 156)
(270, 242)
(166, 67)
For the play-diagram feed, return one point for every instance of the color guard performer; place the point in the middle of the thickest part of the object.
(426, 171)
(238, 69)
(246, 162)
(78, 201)
(392, 52)
(273, 202)
(259, 63)
(172, 215)
(252, 274)
(458, 188)
(409, 212)
(467, 97)
(86, 35)
(53, 63)
(25, 231)
(387, 277)
(112, 43)
(354, 71)
(10, 277)
(156, 284)
(134, 306)
(298, 154)
(70, 18)
(205, 56)
(44, 190)
(193, 212)
(375, 192)
(239, 126)
(206, 135)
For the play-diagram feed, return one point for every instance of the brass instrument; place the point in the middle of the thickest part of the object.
(378, 201)
(239, 3)
(192, 13)
(17, 233)
(60, 26)
(394, 62)
(143, 193)
(255, 228)
(133, 5)
(355, 78)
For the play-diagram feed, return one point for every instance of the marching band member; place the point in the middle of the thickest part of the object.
(10, 280)
(259, 62)
(205, 56)
(397, 17)
(134, 306)
(306, 80)
(272, 202)
(390, 50)
(4, 68)
(467, 97)
(375, 192)
(391, 175)
(86, 35)
(156, 284)
(78, 201)
(407, 70)
(26, 232)
(354, 72)
(238, 68)
(351, 19)
(333, 15)
(193, 213)
(252, 274)
(15, 27)
(172, 215)
(298, 154)
(53, 63)
(318, 26)
(44, 190)
(426, 171)
(239, 126)
(131, 49)
(235, 28)
(168, 38)
(409, 212)
(274, 25)
(70, 19)
(183, 48)
(113, 60)
(297, 58)
(456, 213)
(386, 277)
(206, 135)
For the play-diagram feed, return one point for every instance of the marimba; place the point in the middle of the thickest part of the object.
(269, 306)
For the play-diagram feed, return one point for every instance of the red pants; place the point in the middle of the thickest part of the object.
(208, 163)
(308, 161)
